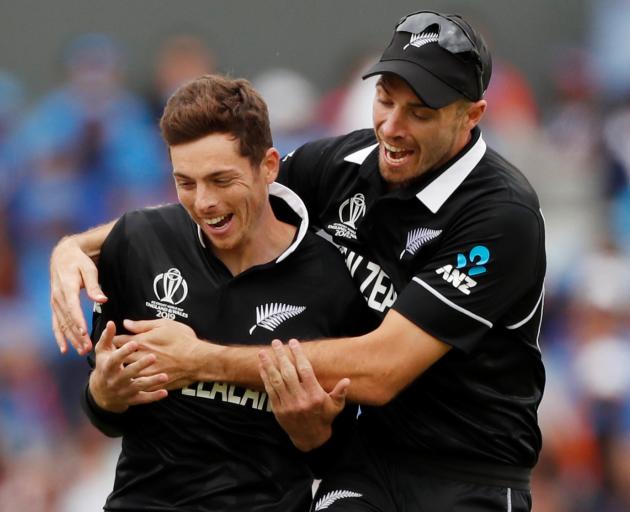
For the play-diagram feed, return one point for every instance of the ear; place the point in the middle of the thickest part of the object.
(270, 165)
(475, 113)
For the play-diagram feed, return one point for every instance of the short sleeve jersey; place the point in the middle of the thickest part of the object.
(215, 446)
(461, 254)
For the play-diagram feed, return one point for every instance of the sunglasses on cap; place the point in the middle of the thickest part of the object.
(452, 37)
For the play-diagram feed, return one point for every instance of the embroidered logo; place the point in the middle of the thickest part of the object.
(350, 211)
(328, 499)
(417, 238)
(270, 316)
(419, 40)
(171, 289)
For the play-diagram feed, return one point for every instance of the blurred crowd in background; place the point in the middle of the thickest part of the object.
(90, 149)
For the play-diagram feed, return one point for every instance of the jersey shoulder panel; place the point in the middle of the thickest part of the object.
(510, 183)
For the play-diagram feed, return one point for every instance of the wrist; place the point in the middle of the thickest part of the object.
(206, 362)
(311, 443)
(96, 393)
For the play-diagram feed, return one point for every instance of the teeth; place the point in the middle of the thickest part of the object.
(215, 220)
(393, 149)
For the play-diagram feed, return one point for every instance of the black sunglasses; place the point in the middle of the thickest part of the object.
(452, 37)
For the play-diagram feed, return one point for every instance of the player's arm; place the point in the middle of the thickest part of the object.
(72, 267)
(379, 364)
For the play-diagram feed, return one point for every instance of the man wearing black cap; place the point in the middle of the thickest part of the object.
(445, 239)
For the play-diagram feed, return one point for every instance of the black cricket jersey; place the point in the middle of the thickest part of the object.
(215, 446)
(461, 254)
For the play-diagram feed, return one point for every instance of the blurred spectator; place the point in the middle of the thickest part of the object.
(573, 123)
(348, 106)
(616, 134)
(292, 101)
(87, 151)
(610, 25)
(180, 58)
(11, 103)
(92, 458)
(588, 394)
(513, 112)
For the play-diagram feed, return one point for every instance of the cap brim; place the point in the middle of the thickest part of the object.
(433, 92)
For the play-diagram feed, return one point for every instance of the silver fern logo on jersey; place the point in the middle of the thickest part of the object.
(419, 40)
(329, 498)
(350, 211)
(270, 316)
(417, 238)
(170, 287)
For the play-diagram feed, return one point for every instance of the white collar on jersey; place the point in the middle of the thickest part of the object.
(296, 204)
(435, 194)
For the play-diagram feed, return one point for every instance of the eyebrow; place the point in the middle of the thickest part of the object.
(218, 172)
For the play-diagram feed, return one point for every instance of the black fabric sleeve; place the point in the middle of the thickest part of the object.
(488, 261)
(322, 460)
(109, 423)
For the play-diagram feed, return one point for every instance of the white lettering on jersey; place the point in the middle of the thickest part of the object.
(375, 285)
(457, 278)
(230, 393)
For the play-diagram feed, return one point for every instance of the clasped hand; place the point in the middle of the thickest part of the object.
(302, 407)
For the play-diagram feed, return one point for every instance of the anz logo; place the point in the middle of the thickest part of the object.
(471, 265)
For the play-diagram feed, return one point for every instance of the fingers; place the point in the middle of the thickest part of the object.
(59, 337)
(339, 392)
(139, 326)
(304, 368)
(134, 369)
(287, 369)
(264, 364)
(89, 274)
(66, 328)
(146, 397)
(115, 358)
(154, 382)
(105, 342)
(121, 340)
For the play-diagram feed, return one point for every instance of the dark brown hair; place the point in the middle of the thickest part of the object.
(218, 104)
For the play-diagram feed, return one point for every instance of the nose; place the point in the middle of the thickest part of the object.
(205, 198)
(393, 125)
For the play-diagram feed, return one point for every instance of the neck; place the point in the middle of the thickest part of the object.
(270, 238)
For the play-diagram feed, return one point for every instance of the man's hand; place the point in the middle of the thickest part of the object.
(70, 270)
(115, 386)
(302, 407)
(173, 344)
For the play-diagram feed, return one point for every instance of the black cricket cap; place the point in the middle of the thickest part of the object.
(440, 56)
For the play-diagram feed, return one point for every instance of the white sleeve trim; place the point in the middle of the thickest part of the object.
(528, 317)
(451, 303)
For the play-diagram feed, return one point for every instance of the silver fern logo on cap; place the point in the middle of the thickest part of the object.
(417, 238)
(328, 499)
(270, 316)
(419, 40)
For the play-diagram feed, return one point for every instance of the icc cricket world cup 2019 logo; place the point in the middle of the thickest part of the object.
(170, 287)
(350, 211)
(356, 209)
